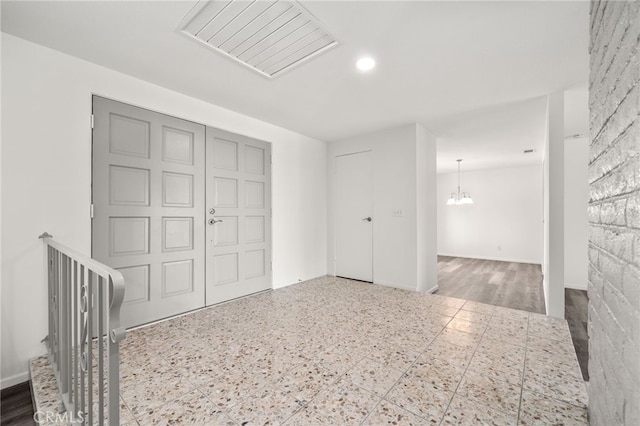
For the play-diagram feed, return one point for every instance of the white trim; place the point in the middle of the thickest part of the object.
(7, 382)
(575, 286)
(499, 259)
(302, 281)
(433, 289)
(401, 287)
(394, 285)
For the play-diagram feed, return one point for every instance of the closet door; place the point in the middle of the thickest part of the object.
(354, 211)
(149, 211)
(238, 234)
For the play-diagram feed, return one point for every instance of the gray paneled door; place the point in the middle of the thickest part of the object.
(238, 216)
(185, 218)
(149, 211)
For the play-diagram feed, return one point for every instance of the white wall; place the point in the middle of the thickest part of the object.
(395, 239)
(576, 223)
(426, 199)
(553, 268)
(505, 221)
(46, 176)
(1, 181)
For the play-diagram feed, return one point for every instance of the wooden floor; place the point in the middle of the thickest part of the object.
(16, 405)
(576, 309)
(508, 284)
(513, 285)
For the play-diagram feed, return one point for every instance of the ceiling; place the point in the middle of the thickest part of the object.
(474, 73)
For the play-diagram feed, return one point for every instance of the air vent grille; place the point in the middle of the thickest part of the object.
(270, 37)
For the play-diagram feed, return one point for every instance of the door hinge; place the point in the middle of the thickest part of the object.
(92, 121)
(91, 210)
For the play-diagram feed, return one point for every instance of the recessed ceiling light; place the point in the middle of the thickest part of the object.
(365, 64)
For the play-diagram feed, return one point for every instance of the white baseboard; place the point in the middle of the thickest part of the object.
(394, 285)
(433, 289)
(276, 287)
(499, 259)
(402, 287)
(7, 382)
(575, 286)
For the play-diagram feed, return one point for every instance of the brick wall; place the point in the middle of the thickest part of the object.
(614, 214)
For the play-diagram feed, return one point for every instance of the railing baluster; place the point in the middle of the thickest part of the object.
(90, 326)
(84, 300)
(74, 337)
(101, 333)
(51, 282)
(114, 336)
(83, 338)
(55, 309)
(66, 326)
(69, 325)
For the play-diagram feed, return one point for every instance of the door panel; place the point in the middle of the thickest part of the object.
(354, 203)
(149, 211)
(238, 233)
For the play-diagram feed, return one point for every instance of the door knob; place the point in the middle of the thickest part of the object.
(368, 219)
(213, 221)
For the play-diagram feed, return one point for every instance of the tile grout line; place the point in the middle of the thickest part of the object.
(524, 369)
(223, 412)
(408, 368)
(455, 392)
(392, 386)
(338, 378)
(548, 395)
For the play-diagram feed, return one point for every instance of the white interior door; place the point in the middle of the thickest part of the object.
(238, 230)
(354, 221)
(149, 212)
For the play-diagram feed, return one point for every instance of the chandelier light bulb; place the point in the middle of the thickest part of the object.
(459, 198)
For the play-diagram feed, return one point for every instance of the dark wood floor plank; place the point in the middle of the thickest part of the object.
(576, 311)
(16, 405)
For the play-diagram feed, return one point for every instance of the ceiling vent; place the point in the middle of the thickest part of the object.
(270, 37)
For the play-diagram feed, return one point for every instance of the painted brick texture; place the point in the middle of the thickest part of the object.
(614, 214)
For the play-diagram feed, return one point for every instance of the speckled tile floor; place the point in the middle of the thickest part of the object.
(335, 351)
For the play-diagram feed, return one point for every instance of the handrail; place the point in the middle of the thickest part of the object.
(97, 267)
(85, 297)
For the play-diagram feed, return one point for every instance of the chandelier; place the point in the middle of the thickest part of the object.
(460, 198)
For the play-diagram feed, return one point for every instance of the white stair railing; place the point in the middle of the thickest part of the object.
(84, 333)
